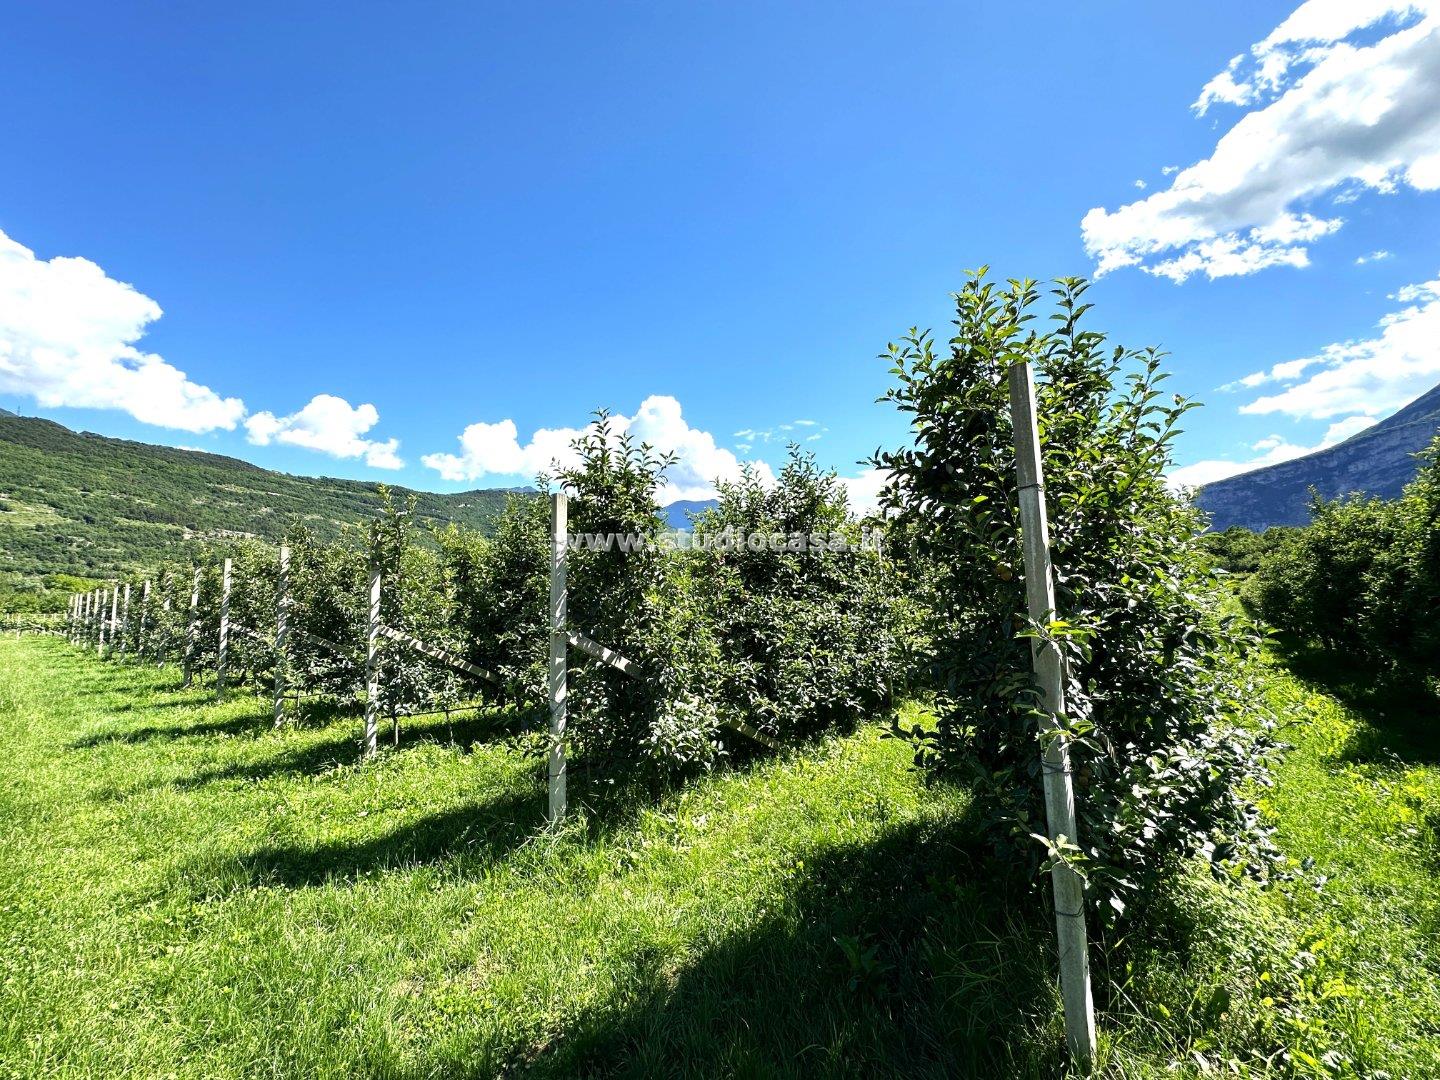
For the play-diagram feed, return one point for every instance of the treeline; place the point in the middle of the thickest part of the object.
(787, 642)
(1363, 578)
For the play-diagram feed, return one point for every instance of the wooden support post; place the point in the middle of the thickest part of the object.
(192, 630)
(82, 633)
(100, 623)
(142, 625)
(282, 617)
(372, 666)
(223, 652)
(1065, 882)
(124, 630)
(70, 619)
(559, 642)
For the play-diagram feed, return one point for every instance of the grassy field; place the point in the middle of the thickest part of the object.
(186, 892)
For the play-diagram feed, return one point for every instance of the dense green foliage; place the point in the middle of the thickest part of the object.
(1238, 550)
(810, 636)
(1363, 577)
(792, 642)
(97, 507)
(1157, 679)
(500, 585)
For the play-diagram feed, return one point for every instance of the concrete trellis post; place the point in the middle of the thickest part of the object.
(372, 666)
(167, 583)
(143, 624)
(124, 630)
(1065, 882)
(282, 617)
(114, 617)
(223, 652)
(100, 623)
(192, 630)
(70, 619)
(559, 527)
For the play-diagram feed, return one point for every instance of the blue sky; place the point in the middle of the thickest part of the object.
(373, 227)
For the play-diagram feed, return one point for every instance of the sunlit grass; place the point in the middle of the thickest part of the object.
(185, 891)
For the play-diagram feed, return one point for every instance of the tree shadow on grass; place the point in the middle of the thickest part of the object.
(464, 733)
(232, 725)
(908, 957)
(475, 834)
(308, 760)
(1402, 714)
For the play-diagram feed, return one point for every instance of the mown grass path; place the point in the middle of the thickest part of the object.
(186, 892)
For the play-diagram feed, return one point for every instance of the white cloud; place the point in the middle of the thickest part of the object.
(330, 425)
(750, 436)
(1352, 384)
(494, 449)
(1374, 256)
(1273, 449)
(1370, 377)
(67, 339)
(1141, 184)
(864, 490)
(1330, 115)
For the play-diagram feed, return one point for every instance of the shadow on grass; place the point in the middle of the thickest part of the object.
(232, 725)
(303, 761)
(906, 957)
(1402, 714)
(464, 733)
(476, 833)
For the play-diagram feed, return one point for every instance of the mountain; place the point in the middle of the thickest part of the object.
(1378, 461)
(89, 505)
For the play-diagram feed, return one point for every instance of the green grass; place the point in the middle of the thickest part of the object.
(186, 892)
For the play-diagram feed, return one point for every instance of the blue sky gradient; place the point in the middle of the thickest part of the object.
(469, 213)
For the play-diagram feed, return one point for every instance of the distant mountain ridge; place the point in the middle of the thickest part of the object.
(94, 506)
(1377, 461)
(85, 504)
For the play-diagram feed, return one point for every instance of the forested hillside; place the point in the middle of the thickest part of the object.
(93, 506)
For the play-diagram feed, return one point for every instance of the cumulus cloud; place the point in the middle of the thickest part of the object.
(1374, 256)
(67, 339)
(1351, 384)
(330, 425)
(1329, 115)
(864, 490)
(494, 449)
(1369, 377)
